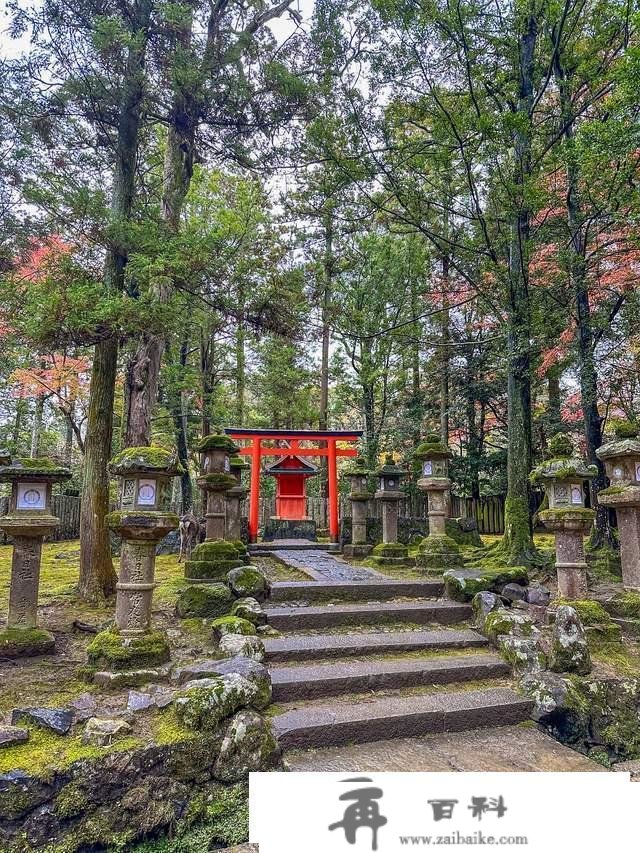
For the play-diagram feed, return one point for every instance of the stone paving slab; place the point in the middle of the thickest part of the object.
(359, 676)
(374, 613)
(632, 767)
(321, 565)
(339, 645)
(374, 590)
(505, 749)
(398, 716)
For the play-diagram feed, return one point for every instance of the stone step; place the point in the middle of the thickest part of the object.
(262, 548)
(401, 716)
(311, 682)
(352, 591)
(338, 645)
(373, 613)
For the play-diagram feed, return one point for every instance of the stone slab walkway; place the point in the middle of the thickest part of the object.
(510, 749)
(322, 566)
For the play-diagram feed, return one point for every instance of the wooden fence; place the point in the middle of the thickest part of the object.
(488, 512)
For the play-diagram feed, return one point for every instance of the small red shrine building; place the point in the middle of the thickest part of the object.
(291, 473)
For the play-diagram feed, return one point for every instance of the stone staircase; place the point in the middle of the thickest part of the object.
(380, 659)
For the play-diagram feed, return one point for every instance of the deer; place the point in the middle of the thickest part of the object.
(189, 529)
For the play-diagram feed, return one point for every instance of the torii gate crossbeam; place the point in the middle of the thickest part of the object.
(255, 449)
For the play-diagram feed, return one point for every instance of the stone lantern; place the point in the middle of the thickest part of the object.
(359, 496)
(438, 551)
(563, 479)
(390, 552)
(29, 521)
(143, 519)
(621, 458)
(234, 498)
(216, 479)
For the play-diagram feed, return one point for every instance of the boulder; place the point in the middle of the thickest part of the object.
(102, 731)
(524, 654)
(539, 596)
(58, 720)
(249, 609)
(83, 707)
(129, 678)
(549, 692)
(204, 600)
(203, 704)
(483, 604)
(514, 592)
(248, 581)
(12, 735)
(569, 647)
(248, 746)
(249, 668)
(224, 625)
(463, 584)
(509, 623)
(232, 645)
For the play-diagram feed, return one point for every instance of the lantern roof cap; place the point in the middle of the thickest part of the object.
(390, 469)
(217, 441)
(619, 447)
(433, 447)
(358, 468)
(563, 468)
(23, 468)
(301, 466)
(238, 462)
(146, 460)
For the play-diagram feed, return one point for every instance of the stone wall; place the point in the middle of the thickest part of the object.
(411, 531)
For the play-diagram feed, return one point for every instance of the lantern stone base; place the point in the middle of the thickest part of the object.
(354, 552)
(211, 560)
(390, 554)
(438, 553)
(110, 651)
(570, 527)
(26, 642)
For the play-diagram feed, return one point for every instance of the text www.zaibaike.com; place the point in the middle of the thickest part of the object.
(460, 838)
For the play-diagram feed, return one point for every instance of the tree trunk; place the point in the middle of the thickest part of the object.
(518, 539)
(36, 429)
(144, 371)
(179, 414)
(577, 250)
(241, 361)
(444, 354)
(97, 576)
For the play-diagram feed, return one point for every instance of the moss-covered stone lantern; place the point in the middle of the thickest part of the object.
(234, 498)
(29, 521)
(358, 476)
(389, 552)
(563, 477)
(216, 479)
(438, 551)
(212, 559)
(143, 519)
(621, 457)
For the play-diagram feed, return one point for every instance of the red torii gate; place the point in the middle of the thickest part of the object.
(255, 450)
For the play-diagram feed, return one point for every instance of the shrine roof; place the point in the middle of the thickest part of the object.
(303, 467)
(310, 434)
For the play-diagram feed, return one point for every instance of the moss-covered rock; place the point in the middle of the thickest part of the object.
(249, 609)
(625, 604)
(205, 600)
(599, 627)
(232, 645)
(524, 654)
(26, 642)
(248, 746)
(439, 553)
(569, 647)
(109, 650)
(232, 625)
(509, 623)
(216, 549)
(390, 549)
(204, 704)
(209, 570)
(463, 584)
(483, 604)
(249, 582)
(463, 531)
